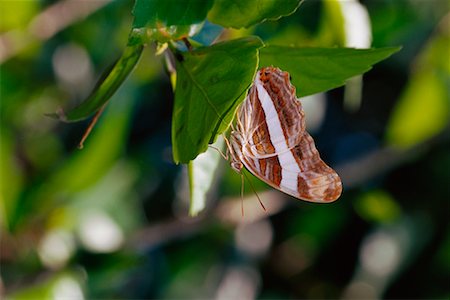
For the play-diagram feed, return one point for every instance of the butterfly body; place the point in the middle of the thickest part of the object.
(270, 140)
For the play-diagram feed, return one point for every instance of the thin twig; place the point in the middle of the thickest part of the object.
(91, 126)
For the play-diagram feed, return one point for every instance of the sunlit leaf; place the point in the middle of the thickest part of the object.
(332, 29)
(315, 70)
(165, 20)
(238, 14)
(106, 87)
(211, 83)
(201, 176)
(378, 206)
(424, 107)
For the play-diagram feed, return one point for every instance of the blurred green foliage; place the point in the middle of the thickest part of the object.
(110, 221)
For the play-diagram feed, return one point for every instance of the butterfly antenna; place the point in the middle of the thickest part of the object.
(254, 191)
(242, 194)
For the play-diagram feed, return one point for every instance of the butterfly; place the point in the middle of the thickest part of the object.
(270, 140)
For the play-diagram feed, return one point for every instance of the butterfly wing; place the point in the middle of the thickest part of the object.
(271, 119)
(271, 141)
(299, 172)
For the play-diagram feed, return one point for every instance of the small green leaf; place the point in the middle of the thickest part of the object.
(166, 20)
(211, 83)
(201, 176)
(238, 13)
(315, 70)
(106, 87)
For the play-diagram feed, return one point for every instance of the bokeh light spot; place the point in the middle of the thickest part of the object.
(99, 233)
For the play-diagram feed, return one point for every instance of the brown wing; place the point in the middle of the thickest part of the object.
(300, 173)
(271, 99)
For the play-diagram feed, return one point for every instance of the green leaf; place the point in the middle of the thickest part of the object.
(106, 87)
(211, 83)
(238, 13)
(332, 24)
(201, 176)
(165, 20)
(315, 70)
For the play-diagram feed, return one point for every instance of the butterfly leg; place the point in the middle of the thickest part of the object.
(225, 156)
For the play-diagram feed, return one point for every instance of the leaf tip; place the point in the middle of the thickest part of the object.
(58, 115)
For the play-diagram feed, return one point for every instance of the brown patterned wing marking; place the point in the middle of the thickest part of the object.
(251, 119)
(266, 169)
(317, 182)
(289, 108)
(309, 178)
(271, 141)
(271, 84)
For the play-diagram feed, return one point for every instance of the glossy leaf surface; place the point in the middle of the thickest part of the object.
(315, 70)
(211, 83)
(238, 14)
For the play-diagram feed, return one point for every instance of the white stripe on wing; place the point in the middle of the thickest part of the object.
(289, 166)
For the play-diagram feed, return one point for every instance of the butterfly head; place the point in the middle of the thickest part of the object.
(236, 165)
